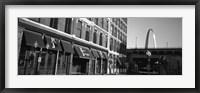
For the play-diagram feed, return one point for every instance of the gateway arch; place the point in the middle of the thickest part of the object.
(147, 39)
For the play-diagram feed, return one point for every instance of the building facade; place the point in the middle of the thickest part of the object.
(71, 46)
(163, 61)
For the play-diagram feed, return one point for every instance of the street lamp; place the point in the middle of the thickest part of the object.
(148, 53)
(162, 70)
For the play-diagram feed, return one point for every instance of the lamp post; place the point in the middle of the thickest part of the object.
(148, 53)
(162, 65)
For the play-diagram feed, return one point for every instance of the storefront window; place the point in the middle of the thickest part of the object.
(92, 67)
(51, 63)
(98, 66)
(80, 66)
(62, 64)
(27, 62)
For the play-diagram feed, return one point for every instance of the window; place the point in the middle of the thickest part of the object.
(121, 24)
(113, 20)
(106, 40)
(115, 45)
(54, 23)
(122, 39)
(112, 29)
(95, 36)
(121, 36)
(118, 22)
(87, 33)
(106, 25)
(124, 28)
(115, 34)
(79, 29)
(111, 44)
(101, 39)
(118, 47)
(118, 34)
(102, 22)
(96, 21)
(89, 19)
(68, 25)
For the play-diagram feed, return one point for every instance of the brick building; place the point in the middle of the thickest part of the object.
(81, 46)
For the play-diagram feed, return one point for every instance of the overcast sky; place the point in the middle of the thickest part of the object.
(165, 29)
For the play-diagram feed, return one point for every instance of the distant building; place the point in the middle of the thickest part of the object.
(163, 61)
(59, 46)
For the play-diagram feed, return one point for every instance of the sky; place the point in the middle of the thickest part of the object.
(168, 32)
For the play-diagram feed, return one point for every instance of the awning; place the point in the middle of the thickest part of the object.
(33, 39)
(118, 60)
(83, 52)
(105, 55)
(101, 55)
(67, 46)
(95, 54)
(52, 43)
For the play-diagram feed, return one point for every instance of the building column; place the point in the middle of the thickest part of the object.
(89, 67)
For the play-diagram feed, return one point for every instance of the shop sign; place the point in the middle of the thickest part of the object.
(53, 41)
(47, 46)
(148, 53)
(35, 44)
(84, 52)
